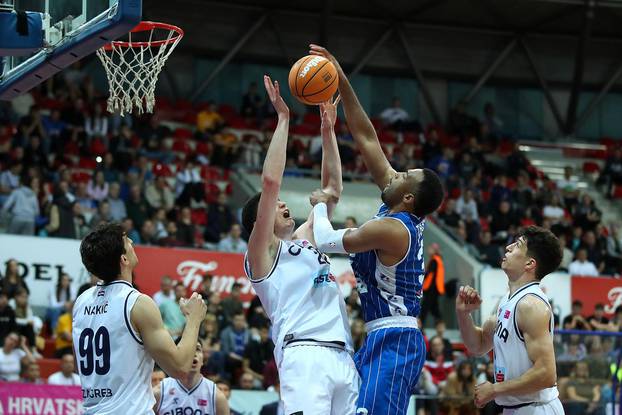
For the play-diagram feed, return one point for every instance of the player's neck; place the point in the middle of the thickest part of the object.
(521, 282)
(191, 380)
(126, 275)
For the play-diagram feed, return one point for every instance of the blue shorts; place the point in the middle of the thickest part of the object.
(389, 363)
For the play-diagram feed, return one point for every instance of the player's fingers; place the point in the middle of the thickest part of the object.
(337, 100)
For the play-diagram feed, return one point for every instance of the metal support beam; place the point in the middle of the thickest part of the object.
(491, 69)
(597, 99)
(407, 24)
(367, 56)
(171, 82)
(427, 96)
(543, 85)
(230, 55)
(279, 40)
(579, 66)
(327, 10)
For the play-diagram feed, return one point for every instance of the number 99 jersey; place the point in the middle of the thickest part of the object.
(114, 367)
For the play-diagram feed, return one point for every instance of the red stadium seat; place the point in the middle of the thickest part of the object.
(87, 163)
(590, 167)
(50, 348)
(312, 118)
(199, 216)
(182, 133)
(48, 366)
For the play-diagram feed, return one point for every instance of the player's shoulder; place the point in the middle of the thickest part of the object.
(532, 309)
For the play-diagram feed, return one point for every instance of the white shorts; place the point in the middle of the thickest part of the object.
(553, 407)
(318, 380)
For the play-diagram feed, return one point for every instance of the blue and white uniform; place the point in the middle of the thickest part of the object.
(392, 357)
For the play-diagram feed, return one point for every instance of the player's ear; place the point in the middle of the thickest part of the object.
(408, 198)
(530, 264)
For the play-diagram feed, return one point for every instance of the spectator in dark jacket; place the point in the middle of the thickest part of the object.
(219, 220)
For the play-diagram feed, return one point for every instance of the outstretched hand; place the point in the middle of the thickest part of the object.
(328, 112)
(321, 51)
(274, 92)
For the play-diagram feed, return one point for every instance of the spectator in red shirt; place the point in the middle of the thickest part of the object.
(436, 363)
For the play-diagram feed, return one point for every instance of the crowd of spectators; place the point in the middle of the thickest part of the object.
(67, 166)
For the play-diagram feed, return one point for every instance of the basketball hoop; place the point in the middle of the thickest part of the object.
(133, 67)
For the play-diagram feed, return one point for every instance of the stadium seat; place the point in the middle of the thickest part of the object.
(48, 366)
(50, 348)
(590, 167)
(183, 133)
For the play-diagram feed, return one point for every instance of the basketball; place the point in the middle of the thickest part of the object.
(313, 80)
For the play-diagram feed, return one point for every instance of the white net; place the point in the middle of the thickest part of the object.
(133, 68)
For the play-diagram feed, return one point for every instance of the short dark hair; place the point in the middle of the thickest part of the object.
(101, 251)
(236, 285)
(249, 213)
(544, 247)
(599, 306)
(577, 303)
(429, 194)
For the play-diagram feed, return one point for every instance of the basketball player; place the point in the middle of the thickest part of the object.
(293, 281)
(118, 332)
(388, 264)
(192, 394)
(521, 332)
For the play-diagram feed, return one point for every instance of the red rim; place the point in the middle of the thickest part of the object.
(143, 27)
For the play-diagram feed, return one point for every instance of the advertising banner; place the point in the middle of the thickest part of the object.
(42, 260)
(593, 290)
(493, 285)
(29, 399)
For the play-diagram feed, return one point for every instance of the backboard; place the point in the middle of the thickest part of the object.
(72, 29)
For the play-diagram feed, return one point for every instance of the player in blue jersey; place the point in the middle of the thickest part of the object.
(387, 259)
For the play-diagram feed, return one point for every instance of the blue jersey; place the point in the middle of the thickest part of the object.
(387, 291)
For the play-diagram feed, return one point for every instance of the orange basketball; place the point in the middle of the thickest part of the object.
(313, 80)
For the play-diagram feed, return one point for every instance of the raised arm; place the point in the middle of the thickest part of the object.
(331, 180)
(360, 125)
(533, 317)
(175, 360)
(478, 340)
(261, 243)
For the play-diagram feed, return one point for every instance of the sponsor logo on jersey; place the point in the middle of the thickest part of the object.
(101, 293)
(501, 332)
(176, 401)
(185, 411)
(171, 391)
(202, 402)
(324, 279)
(507, 314)
(499, 374)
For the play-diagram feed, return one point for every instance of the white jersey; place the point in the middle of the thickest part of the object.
(175, 399)
(302, 298)
(511, 358)
(115, 370)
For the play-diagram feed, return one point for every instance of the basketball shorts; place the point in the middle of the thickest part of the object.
(553, 407)
(389, 363)
(318, 380)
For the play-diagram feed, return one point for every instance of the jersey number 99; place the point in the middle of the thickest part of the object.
(94, 349)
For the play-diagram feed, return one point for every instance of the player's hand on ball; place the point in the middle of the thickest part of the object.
(193, 307)
(320, 51)
(484, 393)
(468, 299)
(274, 92)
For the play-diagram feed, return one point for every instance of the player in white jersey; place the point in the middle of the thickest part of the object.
(191, 395)
(520, 333)
(293, 281)
(118, 332)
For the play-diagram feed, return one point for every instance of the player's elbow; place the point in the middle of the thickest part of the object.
(270, 182)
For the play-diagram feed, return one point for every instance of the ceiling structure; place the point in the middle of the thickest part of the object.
(575, 45)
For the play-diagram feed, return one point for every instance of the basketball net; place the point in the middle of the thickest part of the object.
(132, 68)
